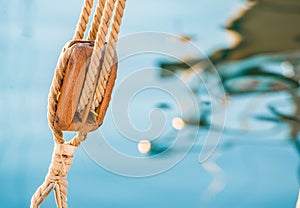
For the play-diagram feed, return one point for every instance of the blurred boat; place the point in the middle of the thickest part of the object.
(266, 32)
(266, 26)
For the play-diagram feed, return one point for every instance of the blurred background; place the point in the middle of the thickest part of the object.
(252, 52)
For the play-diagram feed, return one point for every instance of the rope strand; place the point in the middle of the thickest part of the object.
(91, 76)
(56, 178)
(109, 55)
(96, 20)
(62, 156)
(54, 93)
(84, 19)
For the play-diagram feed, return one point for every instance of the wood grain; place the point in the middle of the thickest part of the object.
(67, 119)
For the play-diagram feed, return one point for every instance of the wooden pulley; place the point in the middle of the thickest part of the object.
(67, 116)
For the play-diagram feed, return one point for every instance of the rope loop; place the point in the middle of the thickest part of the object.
(56, 178)
(63, 153)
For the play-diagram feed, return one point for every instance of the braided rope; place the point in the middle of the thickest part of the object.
(109, 54)
(56, 178)
(62, 156)
(96, 20)
(91, 75)
(63, 152)
(55, 92)
(84, 19)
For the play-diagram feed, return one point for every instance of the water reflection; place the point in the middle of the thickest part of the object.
(144, 146)
(291, 118)
(265, 58)
(178, 123)
(263, 61)
(219, 178)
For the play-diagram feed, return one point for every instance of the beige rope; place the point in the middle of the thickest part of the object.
(56, 178)
(54, 93)
(62, 157)
(96, 20)
(84, 19)
(91, 76)
(109, 54)
(63, 152)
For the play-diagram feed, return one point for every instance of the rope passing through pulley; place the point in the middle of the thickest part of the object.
(81, 90)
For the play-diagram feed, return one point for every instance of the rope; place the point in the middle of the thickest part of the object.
(96, 20)
(63, 153)
(54, 94)
(89, 84)
(84, 19)
(56, 178)
(62, 159)
(109, 54)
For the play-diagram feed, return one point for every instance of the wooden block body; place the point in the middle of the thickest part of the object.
(67, 117)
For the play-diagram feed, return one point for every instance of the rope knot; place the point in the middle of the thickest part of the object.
(62, 159)
(56, 178)
(92, 84)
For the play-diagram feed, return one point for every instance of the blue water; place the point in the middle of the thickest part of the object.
(256, 168)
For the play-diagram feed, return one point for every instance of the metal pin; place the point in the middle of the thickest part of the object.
(94, 112)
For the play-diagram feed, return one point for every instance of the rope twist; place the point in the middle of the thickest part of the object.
(63, 153)
(56, 178)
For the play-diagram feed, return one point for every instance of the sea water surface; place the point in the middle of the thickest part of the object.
(256, 163)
